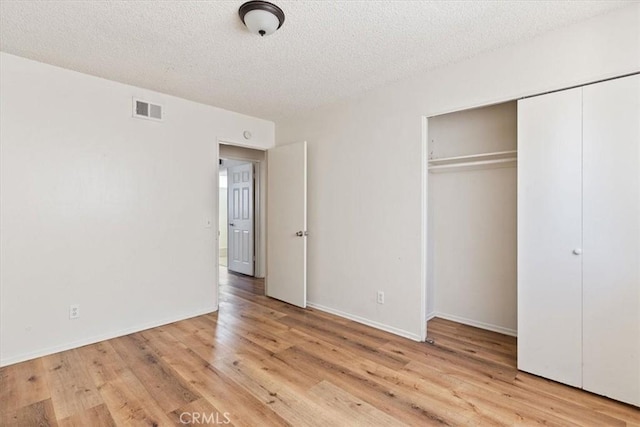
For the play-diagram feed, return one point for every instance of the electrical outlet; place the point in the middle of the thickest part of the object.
(74, 311)
(380, 297)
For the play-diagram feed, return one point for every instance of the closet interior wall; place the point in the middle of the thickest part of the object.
(472, 229)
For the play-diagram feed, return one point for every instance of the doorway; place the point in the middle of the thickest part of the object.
(471, 218)
(287, 196)
(241, 227)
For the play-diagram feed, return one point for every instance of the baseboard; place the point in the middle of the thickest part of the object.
(475, 323)
(431, 315)
(102, 337)
(372, 323)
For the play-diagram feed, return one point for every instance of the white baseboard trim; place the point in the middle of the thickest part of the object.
(102, 337)
(431, 315)
(477, 324)
(372, 323)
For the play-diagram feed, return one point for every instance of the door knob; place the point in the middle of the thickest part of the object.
(299, 234)
(232, 225)
(577, 251)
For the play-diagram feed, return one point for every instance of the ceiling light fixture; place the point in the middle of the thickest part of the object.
(261, 17)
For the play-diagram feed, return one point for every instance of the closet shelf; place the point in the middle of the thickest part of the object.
(474, 158)
(499, 159)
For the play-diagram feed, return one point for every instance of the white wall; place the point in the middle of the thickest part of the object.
(475, 131)
(473, 233)
(365, 161)
(103, 210)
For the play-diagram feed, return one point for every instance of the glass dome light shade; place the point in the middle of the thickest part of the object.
(261, 22)
(261, 17)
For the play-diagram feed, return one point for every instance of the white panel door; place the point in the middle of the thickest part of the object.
(287, 223)
(550, 236)
(611, 147)
(240, 249)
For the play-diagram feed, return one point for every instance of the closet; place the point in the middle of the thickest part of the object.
(579, 237)
(472, 217)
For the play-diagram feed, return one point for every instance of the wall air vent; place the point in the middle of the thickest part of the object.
(146, 110)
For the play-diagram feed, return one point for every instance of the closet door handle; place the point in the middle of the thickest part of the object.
(577, 251)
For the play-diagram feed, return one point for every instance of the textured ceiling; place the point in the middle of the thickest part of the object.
(325, 51)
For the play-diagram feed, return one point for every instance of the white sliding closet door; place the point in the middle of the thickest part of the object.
(611, 151)
(549, 232)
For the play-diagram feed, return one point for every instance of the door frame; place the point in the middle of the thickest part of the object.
(424, 218)
(259, 207)
(259, 212)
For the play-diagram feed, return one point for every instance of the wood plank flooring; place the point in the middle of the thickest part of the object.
(260, 362)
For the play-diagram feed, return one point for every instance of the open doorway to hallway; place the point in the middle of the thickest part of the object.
(241, 225)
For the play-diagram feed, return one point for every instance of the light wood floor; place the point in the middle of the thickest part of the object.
(259, 362)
